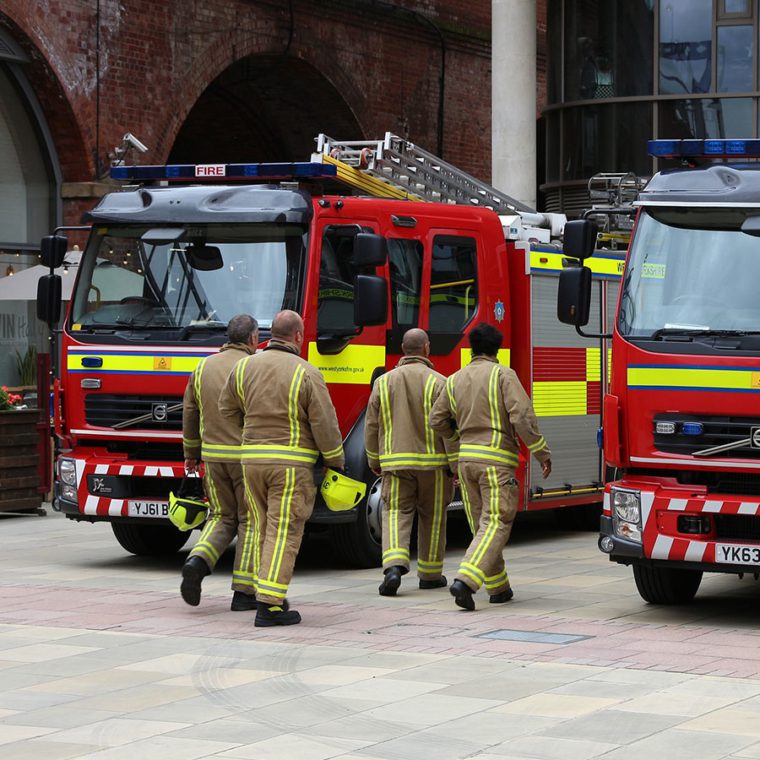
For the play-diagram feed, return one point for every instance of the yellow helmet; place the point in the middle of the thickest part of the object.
(185, 513)
(340, 492)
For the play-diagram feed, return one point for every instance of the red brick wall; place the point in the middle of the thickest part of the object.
(344, 64)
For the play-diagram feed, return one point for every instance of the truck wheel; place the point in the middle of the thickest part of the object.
(149, 540)
(359, 543)
(666, 585)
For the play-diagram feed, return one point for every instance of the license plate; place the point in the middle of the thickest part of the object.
(148, 509)
(736, 554)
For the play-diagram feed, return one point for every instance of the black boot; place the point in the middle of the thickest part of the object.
(462, 594)
(194, 571)
(242, 602)
(501, 597)
(437, 583)
(272, 614)
(391, 582)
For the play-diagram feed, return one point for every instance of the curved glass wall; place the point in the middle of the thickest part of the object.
(621, 72)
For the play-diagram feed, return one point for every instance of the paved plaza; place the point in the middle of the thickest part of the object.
(100, 658)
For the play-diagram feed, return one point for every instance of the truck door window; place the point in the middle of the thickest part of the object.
(405, 264)
(453, 284)
(335, 305)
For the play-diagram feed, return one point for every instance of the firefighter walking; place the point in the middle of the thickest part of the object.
(215, 439)
(288, 421)
(412, 459)
(489, 409)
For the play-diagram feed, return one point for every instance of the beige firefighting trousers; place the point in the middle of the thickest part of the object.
(283, 499)
(490, 500)
(229, 516)
(425, 493)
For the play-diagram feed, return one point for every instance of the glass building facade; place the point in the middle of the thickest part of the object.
(621, 72)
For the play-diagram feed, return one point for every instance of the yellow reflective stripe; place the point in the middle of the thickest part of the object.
(395, 554)
(283, 525)
(538, 445)
(429, 567)
(438, 511)
(191, 442)
(466, 502)
(493, 518)
(494, 581)
(428, 403)
(220, 447)
(557, 399)
(253, 511)
(450, 392)
(265, 451)
(198, 397)
(371, 454)
(239, 372)
(472, 572)
(244, 580)
(413, 456)
(599, 264)
(493, 405)
(393, 513)
(694, 378)
(593, 364)
(488, 453)
(385, 411)
(337, 451)
(295, 389)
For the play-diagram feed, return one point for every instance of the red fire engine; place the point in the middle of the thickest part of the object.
(168, 264)
(682, 416)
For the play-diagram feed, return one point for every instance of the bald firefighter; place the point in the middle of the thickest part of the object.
(487, 407)
(288, 420)
(413, 462)
(216, 439)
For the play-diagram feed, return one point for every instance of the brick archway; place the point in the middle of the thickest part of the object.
(263, 108)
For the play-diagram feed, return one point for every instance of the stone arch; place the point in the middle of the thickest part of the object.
(263, 108)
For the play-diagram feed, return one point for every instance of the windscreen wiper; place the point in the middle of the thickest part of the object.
(211, 326)
(698, 332)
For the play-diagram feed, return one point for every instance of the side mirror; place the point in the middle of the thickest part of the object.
(751, 226)
(579, 239)
(49, 299)
(370, 250)
(370, 300)
(205, 258)
(574, 296)
(53, 250)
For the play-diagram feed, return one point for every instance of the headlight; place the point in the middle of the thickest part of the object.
(627, 505)
(69, 493)
(67, 471)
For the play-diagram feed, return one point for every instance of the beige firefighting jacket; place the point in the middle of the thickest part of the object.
(282, 403)
(397, 434)
(202, 425)
(490, 409)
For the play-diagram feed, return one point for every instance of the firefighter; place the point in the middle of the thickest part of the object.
(487, 407)
(288, 421)
(215, 439)
(412, 460)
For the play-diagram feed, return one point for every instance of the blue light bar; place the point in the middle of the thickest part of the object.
(704, 148)
(216, 172)
(692, 428)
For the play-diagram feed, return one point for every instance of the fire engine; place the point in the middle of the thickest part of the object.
(367, 240)
(682, 415)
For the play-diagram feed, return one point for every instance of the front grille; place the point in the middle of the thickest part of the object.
(738, 527)
(717, 431)
(105, 410)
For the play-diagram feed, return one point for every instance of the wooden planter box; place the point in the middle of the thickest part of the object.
(19, 477)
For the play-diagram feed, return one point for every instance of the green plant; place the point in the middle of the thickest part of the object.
(8, 400)
(26, 364)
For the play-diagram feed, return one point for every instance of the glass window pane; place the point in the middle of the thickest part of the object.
(335, 309)
(708, 118)
(608, 48)
(735, 58)
(606, 138)
(740, 7)
(685, 46)
(453, 284)
(405, 263)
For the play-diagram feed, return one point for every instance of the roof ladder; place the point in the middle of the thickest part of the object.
(398, 168)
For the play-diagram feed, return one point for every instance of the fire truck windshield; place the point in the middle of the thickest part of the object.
(691, 272)
(195, 277)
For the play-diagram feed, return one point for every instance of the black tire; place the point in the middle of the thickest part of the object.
(359, 543)
(580, 517)
(666, 585)
(149, 540)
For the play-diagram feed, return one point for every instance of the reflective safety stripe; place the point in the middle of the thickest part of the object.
(293, 416)
(385, 412)
(255, 532)
(694, 378)
(255, 451)
(466, 502)
(493, 518)
(427, 405)
(450, 392)
(560, 398)
(429, 567)
(494, 581)
(395, 554)
(269, 588)
(438, 512)
(487, 454)
(239, 373)
(608, 266)
(371, 454)
(538, 445)
(493, 406)
(197, 387)
(283, 525)
(213, 452)
(191, 443)
(411, 459)
(245, 579)
(333, 453)
(472, 572)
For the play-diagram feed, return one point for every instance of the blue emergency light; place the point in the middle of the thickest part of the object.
(704, 148)
(205, 172)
